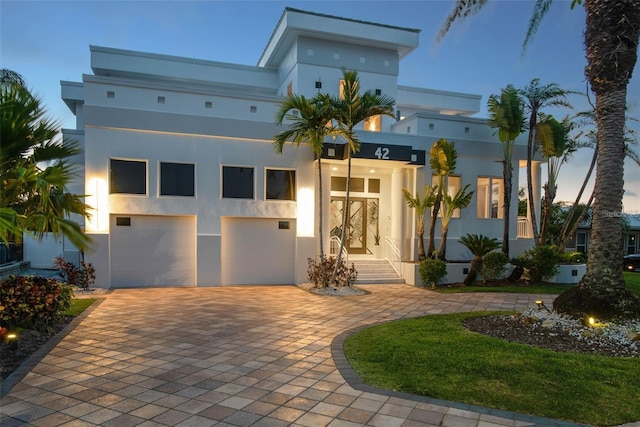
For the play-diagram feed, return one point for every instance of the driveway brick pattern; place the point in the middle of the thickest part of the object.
(236, 356)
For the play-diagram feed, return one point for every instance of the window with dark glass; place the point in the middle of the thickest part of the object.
(127, 177)
(280, 184)
(177, 179)
(237, 182)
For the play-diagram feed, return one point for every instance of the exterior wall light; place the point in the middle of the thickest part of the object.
(97, 199)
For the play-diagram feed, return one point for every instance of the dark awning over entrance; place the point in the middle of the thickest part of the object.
(403, 153)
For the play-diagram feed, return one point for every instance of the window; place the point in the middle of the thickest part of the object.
(281, 184)
(373, 124)
(374, 185)
(177, 179)
(452, 184)
(490, 197)
(127, 177)
(582, 240)
(237, 182)
(339, 183)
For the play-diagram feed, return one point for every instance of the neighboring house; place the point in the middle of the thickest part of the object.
(187, 189)
(580, 242)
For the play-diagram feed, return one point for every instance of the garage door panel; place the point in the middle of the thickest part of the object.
(258, 251)
(153, 251)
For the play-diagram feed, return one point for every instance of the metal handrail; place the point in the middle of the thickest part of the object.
(334, 244)
(394, 257)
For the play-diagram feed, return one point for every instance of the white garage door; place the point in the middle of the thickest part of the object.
(152, 250)
(258, 251)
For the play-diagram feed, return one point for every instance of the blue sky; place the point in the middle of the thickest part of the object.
(48, 41)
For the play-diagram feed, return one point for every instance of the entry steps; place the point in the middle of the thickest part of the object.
(375, 271)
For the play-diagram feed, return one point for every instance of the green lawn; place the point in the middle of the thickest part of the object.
(78, 306)
(632, 280)
(436, 356)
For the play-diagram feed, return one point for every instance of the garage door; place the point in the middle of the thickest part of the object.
(258, 251)
(152, 250)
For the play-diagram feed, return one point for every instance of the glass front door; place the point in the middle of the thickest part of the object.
(356, 238)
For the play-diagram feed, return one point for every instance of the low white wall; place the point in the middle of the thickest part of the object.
(568, 273)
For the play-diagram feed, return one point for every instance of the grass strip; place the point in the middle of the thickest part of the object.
(436, 356)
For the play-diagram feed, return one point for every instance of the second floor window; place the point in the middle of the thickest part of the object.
(237, 182)
(127, 177)
(177, 179)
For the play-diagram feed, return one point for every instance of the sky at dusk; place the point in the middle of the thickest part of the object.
(48, 41)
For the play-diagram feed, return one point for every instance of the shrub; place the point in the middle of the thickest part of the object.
(320, 272)
(32, 302)
(83, 277)
(493, 265)
(574, 257)
(541, 261)
(432, 271)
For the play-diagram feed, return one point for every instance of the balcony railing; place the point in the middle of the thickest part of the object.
(524, 228)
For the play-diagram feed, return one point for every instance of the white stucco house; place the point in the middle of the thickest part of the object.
(187, 189)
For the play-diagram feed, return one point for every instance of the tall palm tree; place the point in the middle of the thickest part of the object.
(450, 203)
(506, 114)
(479, 245)
(537, 97)
(35, 169)
(443, 157)
(421, 206)
(352, 109)
(311, 125)
(612, 34)
(556, 147)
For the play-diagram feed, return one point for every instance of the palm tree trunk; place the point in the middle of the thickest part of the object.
(530, 153)
(320, 228)
(442, 251)
(547, 202)
(564, 235)
(606, 240)
(345, 218)
(574, 228)
(421, 254)
(507, 172)
(431, 246)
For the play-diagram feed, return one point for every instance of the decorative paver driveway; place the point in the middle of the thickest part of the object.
(235, 356)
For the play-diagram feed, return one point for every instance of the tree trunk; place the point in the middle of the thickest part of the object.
(564, 234)
(549, 197)
(320, 207)
(530, 154)
(421, 254)
(442, 250)
(611, 39)
(476, 264)
(507, 172)
(431, 246)
(345, 218)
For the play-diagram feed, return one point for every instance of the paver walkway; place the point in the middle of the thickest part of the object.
(235, 356)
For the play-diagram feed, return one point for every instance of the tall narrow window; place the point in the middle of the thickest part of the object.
(489, 196)
(237, 182)
(177, 179)
(280, 184)
(127, 177)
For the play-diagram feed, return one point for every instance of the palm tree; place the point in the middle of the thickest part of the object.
(35, 169)
(479, 245)
(443, 157)
(536, 98)
(311, 125)
(460, 200)
(506, 114)
(556, 147)
(611, 36)
(421, 206)
(352, 109)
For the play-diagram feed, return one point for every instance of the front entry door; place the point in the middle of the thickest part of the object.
(356, 238)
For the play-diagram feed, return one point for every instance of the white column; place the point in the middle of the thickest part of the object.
(326, 206)
(398, 182)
